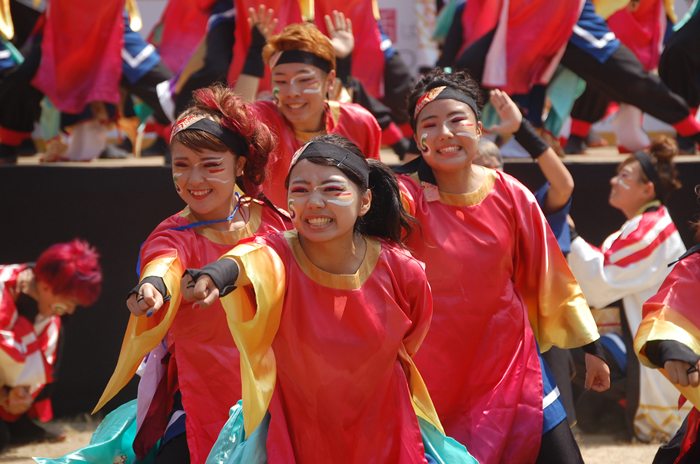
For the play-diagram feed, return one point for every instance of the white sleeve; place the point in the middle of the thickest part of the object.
(633, 267)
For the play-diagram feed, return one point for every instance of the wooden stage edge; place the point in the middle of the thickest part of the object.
(592, 155)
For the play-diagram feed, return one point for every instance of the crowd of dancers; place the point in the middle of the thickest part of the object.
(310, 304)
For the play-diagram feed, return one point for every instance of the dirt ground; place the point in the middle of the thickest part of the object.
(596, 449)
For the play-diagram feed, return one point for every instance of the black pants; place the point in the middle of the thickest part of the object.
(679, 67)
(20, 102)
(668, 453)
(145, 89)
(559, 447)
(398, 82)
(220, 41)
(622, 78)
(562, 367)
(175, 451)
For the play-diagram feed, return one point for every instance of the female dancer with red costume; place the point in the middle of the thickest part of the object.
(668, 339)
(191, 376)
(303, 65)
(501, 287)
(338, 312)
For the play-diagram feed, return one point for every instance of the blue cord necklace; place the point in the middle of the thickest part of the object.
(192, 226)
(216, 221)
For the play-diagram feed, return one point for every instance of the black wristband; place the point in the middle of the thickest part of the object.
(660, 351)
(254, 64)
(343, 69)
(157, 282)
(596, 349)
(224, 274)
(530, 140)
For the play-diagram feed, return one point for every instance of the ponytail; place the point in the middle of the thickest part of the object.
(386, 217)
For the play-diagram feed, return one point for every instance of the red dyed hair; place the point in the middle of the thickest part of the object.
(71, 269)
(222, 105)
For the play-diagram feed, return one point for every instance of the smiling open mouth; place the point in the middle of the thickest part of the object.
(317, 222)
(200, 193)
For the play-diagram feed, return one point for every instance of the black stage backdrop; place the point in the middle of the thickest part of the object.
(116, 208)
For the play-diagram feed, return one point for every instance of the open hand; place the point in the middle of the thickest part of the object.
(340, 32)
(147, 301)
(508, 111)
(203, 292)
(264, 20)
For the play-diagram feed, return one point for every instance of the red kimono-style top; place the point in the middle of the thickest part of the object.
(204, 360)
(672, 314)
(329, 356)
(347, 119)
(499, 283)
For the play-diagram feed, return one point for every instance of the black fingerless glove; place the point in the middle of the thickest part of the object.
(660, 351)
(254, 64)
(530, 140)
(224, 274)
(157, 282)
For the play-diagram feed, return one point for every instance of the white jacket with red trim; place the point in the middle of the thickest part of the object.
(630, 266)
(27, 349)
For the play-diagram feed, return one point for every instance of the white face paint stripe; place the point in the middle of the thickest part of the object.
(622, 184)
(214, 179)
(342, 203)
(301, 76)
(210, 160)
(466, 134)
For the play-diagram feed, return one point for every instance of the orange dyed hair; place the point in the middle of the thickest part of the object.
(305, 37)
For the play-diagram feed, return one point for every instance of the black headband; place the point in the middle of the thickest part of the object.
(328, 150)
(237, 143)
(652, 174)
(441, 93)
(300, 56)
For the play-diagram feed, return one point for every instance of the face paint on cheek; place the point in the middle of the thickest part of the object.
(292, 210)
(215, 179)
(423, 146)
(276, 96)
(177, 187)
(622, 184)
(314, 87)
(343, 199)
(467, 134)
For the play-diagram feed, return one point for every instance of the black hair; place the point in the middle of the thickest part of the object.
(386, 217)
(460, 81)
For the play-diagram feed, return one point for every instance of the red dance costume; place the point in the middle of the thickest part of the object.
(342, 348)
(500, 283)
(204, 360)
(347, 119)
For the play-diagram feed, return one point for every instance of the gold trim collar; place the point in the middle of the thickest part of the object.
(336, 281)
